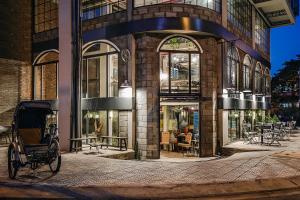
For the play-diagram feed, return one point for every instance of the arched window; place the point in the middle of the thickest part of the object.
(45, 76)
(246, 73)
(267, 78)
(179, 66)
(232, 67)
(258, 78)
(100, 71)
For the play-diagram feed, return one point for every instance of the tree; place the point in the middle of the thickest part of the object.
(285, 90)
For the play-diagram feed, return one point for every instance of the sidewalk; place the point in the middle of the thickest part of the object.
(80, 173)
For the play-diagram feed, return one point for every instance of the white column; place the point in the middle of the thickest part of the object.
(65, 73)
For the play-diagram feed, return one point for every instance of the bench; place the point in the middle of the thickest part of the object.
(76, 143)
(122, 143)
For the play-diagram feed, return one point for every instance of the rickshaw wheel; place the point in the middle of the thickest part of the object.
(13, 163)
(54, 156)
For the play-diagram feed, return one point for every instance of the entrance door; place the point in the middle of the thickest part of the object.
(179, 121)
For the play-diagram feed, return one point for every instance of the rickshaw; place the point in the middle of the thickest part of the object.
(34, 142)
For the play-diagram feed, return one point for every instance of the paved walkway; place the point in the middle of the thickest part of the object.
(91, 170)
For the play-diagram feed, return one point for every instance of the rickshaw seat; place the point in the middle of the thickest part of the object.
(32, 139)
(30, 136)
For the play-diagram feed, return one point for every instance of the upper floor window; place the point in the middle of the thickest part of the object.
(239, 13)
(179, 66)
(211, 4)
(258, 78)
(45, 15)
(96, 8)
(262, 34)
(232, 67)
(100, 71)
(246, 73)
(45, 76)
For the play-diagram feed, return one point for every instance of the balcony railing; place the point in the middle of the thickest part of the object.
(96, 8)
(211, 4)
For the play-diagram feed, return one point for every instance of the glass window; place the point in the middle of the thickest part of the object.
(239, 13)
(233, 126)
(45, 15)
(100, 71)
(267, 81)
(211, 4)
(179, 66)
(246, 72)
(101, 123)
(232, 67)
(45, 77)
(258, 77)
(97, 8)
(262, 34)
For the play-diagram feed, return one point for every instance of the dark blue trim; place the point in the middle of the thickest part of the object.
(171, 23)
(45, 45)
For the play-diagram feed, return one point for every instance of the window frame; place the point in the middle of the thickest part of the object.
(44, 64)
(98, 55)
(190, 53)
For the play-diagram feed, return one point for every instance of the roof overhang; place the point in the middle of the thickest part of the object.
(276, 12)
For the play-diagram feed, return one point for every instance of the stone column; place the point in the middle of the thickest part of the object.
(147, 97)
(208, 104)
(65, 73)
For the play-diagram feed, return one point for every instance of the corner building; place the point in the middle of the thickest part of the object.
(201, 65)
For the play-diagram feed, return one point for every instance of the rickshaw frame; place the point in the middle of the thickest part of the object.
(32, 115)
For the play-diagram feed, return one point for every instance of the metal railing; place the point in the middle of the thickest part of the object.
(210, 4)
(96, 8)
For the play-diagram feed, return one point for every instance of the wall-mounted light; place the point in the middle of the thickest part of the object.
(125, 56)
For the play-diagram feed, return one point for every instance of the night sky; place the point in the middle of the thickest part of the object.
(285, 44)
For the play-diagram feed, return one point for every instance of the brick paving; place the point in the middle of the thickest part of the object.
(83, 170)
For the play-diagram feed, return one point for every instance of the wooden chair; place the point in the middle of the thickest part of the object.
(165, 139)
(188, 143)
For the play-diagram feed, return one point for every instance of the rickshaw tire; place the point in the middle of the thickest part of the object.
(58, 161)
(12, 172)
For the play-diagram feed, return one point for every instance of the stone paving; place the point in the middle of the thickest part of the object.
(83, 170)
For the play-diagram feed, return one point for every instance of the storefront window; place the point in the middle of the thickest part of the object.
(240, 15)
(233, 126)
(45, 15)
(101, 123)
(100, 71)
(232, 67)
(179, 66)
(45, 76)
(246, 72)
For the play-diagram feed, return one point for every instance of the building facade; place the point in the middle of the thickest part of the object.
(198, 66)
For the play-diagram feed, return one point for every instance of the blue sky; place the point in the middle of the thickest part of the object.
(285, 44)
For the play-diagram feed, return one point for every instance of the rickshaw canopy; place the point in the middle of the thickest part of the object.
(31, 114)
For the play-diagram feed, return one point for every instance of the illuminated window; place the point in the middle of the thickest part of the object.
(258, 78)
(179, 66)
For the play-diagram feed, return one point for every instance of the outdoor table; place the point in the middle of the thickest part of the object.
(121, 141)
(76, 143)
